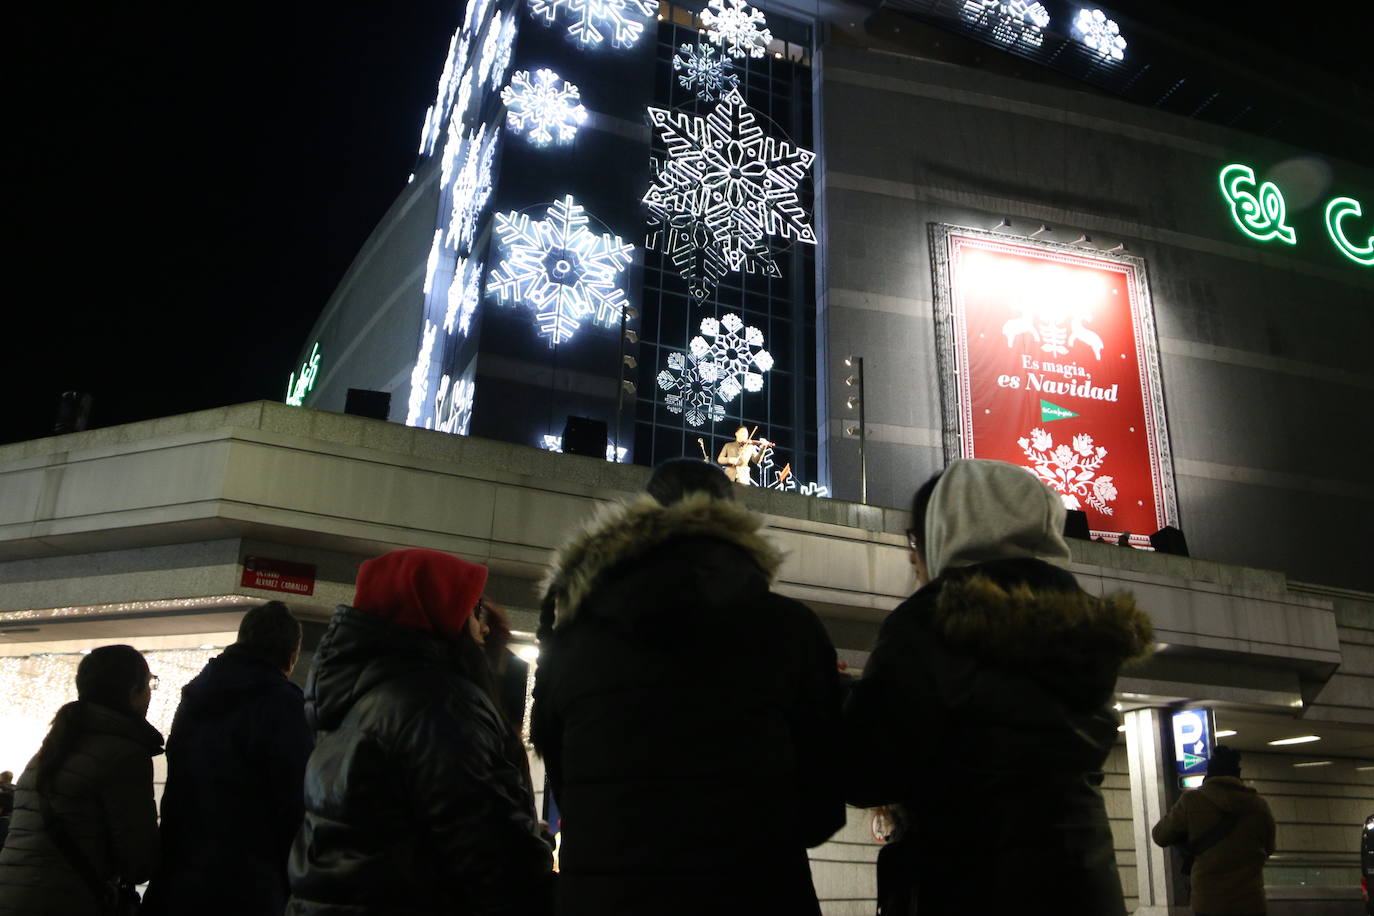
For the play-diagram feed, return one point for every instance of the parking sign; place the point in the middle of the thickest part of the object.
(1192, 741)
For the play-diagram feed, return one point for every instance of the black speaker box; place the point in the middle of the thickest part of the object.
(584, 436)
(1169, 540)
(1076, 524)
(360, 402)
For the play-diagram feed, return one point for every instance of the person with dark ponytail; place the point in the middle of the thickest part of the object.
(84, 829)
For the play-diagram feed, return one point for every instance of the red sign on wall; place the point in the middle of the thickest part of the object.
(1055, 370)
(279, 575)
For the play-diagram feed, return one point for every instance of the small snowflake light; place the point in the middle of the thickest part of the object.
(419, 376)
(463, 99)
(1009, 21)
(738, 28)
(690, 387)
(560, 269)
(452, 155)
(543, 107)
(704, 69)
(464, 295)
(501, 63)
(1100, 34)
(453, 406)
(432, 262)
(589, 21)
(491, 48)
(739, 358)
(471, 189)
(475, 16)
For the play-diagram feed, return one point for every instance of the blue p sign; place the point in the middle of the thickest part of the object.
(1192, 741)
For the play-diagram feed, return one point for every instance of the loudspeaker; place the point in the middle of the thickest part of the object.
(73, 412)
(1169, 540)
(584, 436)
(1076, 524)
(360, 402)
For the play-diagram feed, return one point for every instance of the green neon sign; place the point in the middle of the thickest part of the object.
(297, 387)
(1336, 211)
(1261, 214)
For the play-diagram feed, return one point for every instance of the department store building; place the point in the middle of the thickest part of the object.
(881, 238)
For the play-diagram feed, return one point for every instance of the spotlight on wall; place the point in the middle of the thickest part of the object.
(1043, 228)
(630, 314)
(631, 361)
(1118, 248)
(1082, 239)
(849, 361)
(852, 401)
(852, 429)
(1004, 224)
(628, 387)
(852, 381)
(631, 336)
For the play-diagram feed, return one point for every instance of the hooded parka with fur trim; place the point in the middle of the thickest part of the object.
(984, 710)
(688, 717)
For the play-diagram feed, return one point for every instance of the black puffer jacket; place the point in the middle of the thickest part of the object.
(984, 711)
(103, 795)
(234, 800)
(688, 718)
(413, 805)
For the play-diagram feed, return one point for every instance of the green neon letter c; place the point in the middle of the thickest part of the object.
(1338, 209)
(1261, 214)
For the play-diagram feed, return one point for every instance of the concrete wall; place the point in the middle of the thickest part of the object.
(1262, 351)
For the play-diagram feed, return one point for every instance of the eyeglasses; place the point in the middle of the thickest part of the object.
(483, 613)
(153, 681)
(911, 540)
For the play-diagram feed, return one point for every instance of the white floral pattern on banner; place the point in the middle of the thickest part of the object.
(1071, 471)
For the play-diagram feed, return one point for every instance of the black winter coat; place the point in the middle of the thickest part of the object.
(984, 711)
(688, 718)
(413, 803)
(234, 799)
(103, 795)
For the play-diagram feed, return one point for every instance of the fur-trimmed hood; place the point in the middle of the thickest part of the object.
(1071, 642)
(625, 531)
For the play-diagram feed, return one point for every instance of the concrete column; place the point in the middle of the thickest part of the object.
(1154, 789)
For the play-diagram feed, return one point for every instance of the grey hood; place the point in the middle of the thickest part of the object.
(990, 510)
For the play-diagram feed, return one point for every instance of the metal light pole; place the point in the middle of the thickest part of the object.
(856, 381)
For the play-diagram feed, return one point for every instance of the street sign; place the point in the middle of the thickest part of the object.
(1192, 741)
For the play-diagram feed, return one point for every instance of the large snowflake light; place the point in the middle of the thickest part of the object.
(739, 358)
(1100, 34)
(543, 107)
(453, 406)
(464, 295)
(471, 189)
(1009, 21)
(703, 68)
(419, 376)
(691, 389)
(737, 27)
(588, 21)
(725, 179)
(560, 269)
(1071, 471)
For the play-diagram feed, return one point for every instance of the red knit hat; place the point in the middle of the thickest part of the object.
(421, 589)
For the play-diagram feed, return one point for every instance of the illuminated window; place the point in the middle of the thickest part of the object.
(543, 107)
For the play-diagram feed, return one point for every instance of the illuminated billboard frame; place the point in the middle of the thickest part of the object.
(1027, 377)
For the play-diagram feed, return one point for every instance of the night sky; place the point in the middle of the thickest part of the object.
(189, 183)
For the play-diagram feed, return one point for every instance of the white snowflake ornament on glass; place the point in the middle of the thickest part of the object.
(1100, 35)
(475, 15)
(1010, 22)
(471, 189)
(704, 69)
(453, 406)
(690, 386)
(491, 49)
(543, 107)
(739, 29)
(432, 262)
(504, 47)
(560, 269)
(736, 352)
(589, 21)
(419, 376)
(464, 295)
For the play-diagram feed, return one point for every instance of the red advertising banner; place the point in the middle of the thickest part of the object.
(1055, 370)
(278, 575)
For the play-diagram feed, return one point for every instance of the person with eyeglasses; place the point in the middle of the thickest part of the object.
(416, 798)
(84, 828)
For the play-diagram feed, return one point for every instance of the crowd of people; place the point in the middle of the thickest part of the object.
(697, 732)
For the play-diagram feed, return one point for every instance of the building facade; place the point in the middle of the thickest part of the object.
(881, 239)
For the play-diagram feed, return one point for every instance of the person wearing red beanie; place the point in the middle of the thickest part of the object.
(416, 795)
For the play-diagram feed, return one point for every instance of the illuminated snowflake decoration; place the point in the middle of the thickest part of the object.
(1009, 21)
(419, 376)
(699, 256)
(477, 11)
(453, 406)
(690, 387)
(614, 453)
(432, 262)
(463, 99)
(1100, 34)
(491, 48)
(738, 28)
(452, 155)
(454, 64)
(725, 187)
(464, 295)
(504, 47)
(704, 69)
(471, 189)
(560, 269)
(1071, 471)
(589, 21)
(736, 352)
(543, 107)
